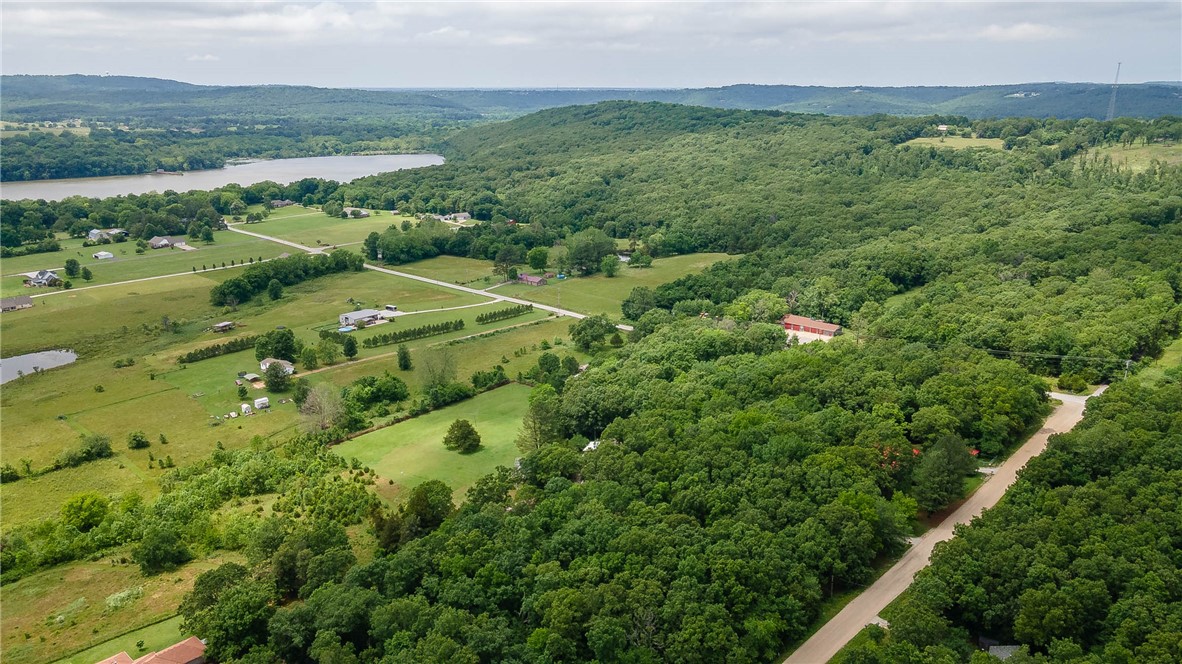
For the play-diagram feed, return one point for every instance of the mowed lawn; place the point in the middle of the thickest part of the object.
(1139, 157)
(154, 638)
(412, 452)
(78, 593)
(313, 228)
(128, 265)
(958, 142)
(598, 294)
(453, 269)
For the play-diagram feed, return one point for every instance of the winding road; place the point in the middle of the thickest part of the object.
(864, 609)
(496, 297)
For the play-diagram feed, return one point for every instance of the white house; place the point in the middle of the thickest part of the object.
(44, 278)
(364, 315)
(102, 255)
(356, 213)
(159, 242)
(288, 367)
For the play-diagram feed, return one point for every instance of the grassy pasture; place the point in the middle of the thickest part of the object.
(312, 227)
(1139, 157)
(453, 269)
(412, 452)
(598, 294)
(78, 592)
(128, 265)
(958, 142)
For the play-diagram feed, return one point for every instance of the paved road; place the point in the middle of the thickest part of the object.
(435, 282)
(136, 281)
(823, 645)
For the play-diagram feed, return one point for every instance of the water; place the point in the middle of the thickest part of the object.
(283, 171)
(12, 368)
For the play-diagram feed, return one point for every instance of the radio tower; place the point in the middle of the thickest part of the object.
(1112, 98)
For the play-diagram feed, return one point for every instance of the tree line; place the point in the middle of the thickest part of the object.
(287, 271)
(412, 333)
(231, 346)
(502, 314)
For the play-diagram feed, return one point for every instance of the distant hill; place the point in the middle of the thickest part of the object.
(120, 98)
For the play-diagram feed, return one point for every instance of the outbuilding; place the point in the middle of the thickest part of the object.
(810, 329)
(245, 409)
(351, 318)
(288, 367)
(14, 303)
(530, 280)
(102, 255)
(262, 402)
(225, 326)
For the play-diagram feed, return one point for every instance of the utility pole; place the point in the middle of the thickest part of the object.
(1112, 97)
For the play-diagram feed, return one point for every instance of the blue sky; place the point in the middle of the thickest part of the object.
(597, 44)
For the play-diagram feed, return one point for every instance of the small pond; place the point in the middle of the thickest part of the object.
(12, 368)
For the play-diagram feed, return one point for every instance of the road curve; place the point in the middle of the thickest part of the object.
(833, 636)
(435, 282)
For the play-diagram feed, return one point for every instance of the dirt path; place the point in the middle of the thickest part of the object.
(823, 645)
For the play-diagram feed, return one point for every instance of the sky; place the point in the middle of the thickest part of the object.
(494, 44)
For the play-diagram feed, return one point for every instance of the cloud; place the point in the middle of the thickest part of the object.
(1022, 32)
(208, 57)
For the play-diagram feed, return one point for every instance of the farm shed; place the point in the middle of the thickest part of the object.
(262, 402)
(531, 281)
(365, 315)
(102, 255)
(794, 323)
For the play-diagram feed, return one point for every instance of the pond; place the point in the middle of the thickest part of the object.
(282, 171)
(12, 368)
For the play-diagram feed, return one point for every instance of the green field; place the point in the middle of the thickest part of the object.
(958, 142)
(77, 593)
(1139, 157)
(128, 265)
(313, 228)
(598, 294)
(412, 452)
(469, 272)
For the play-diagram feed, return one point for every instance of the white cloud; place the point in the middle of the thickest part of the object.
(208, 57)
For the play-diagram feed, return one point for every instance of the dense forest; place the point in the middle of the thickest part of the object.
(696, 494)
(1079, 563)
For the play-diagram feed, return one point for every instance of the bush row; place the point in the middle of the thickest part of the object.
(231, 346)
(412, 333)
(502, 314)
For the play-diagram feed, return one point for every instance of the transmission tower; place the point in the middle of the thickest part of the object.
(1112, 97)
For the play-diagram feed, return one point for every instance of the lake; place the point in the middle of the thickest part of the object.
(12, 368)
(283, 171)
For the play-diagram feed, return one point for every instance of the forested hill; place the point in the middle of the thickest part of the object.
(156, 101)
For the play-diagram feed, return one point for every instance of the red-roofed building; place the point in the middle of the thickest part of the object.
(189, 651)
(794, 323)
(531, 281)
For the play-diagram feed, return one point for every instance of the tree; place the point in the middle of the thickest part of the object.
(586, 249)
(439, 368)
(87, 274)
(328, 351)
(276, 378)
(537, 258)
(242, 393)
(939, 478)
(542, 423)
(371, 245)
(160, 550)
(506, 258)
(281, 344)
(332, 209)
(275, 289)
(72, 266)
(321, 408)
(349, 348)
(308, 358)
(404, 362)
(591, 330)
(610, 265)
(638, 302)
(136, 440)
(84, 511)
(207, 234)
(462, 437)
(757, 306)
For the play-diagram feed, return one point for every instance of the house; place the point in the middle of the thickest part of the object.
(223, 327)
(245, 409)
(532, 281)
(159, 242)
(262, 402)
(189, 651)
(288, 367)
(356, 213)
(14, 303)
(461, 216)
(942, 128)
(811, 328)
(109, 234)
(102, 255)
(44, 278)
(363, 316)
(281, 204)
